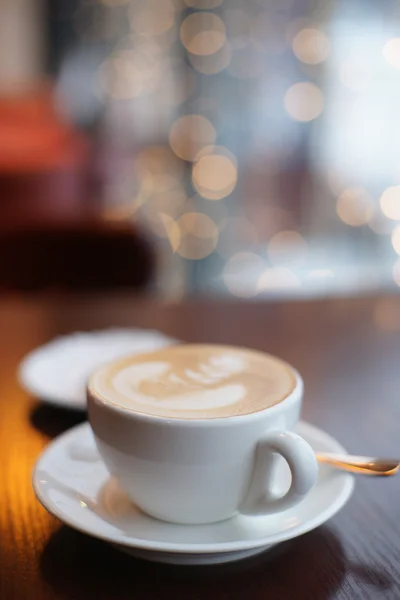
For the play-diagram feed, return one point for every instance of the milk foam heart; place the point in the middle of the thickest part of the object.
(196, 382)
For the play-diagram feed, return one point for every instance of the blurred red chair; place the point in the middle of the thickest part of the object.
(51, 235)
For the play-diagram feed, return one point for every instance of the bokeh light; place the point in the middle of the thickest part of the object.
(203, 33)
(390, 202)
(213, 63)
(216, 149)
(139, 66)
(391, 52)
(198, 235)
(277, 278)
(190, 134)
(355, 207)
(154, 161)
(311, 46)
(241, 274)
(396, 239)
(214, 176)
(120, 76)
(287, 245)
(152, 17)
(304, 101)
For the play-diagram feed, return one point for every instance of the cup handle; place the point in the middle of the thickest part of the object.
(303, 467)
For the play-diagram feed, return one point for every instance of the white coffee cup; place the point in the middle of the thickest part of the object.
(204, 470)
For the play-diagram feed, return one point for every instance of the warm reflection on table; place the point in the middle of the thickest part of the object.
(348, 352)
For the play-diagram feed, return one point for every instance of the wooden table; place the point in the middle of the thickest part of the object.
(349, 354)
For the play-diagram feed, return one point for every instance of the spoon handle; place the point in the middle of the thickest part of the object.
(362, 465)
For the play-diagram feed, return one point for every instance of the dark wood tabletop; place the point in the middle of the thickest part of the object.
(348, 352)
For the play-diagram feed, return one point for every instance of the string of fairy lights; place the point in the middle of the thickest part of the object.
(186, 183)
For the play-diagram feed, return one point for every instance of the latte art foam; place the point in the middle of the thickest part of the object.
(195, 381)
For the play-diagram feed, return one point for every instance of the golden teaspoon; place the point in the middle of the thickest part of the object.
(360, 465)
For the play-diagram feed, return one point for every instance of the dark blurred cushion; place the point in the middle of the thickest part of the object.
(82, 257)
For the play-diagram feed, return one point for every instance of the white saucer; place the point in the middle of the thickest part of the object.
(57, 372)
(72, 483)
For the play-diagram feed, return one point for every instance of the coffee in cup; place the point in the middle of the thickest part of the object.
(196, 382)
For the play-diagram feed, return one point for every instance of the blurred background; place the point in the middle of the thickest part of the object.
(230, 148)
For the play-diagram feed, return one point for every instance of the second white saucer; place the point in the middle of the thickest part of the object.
(72, 483)
(57, 372)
